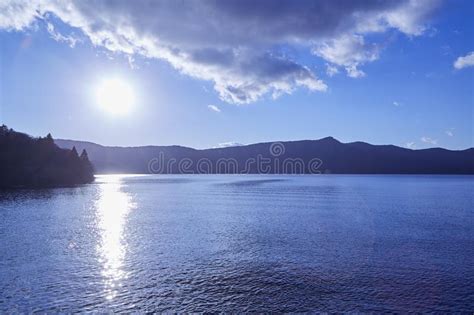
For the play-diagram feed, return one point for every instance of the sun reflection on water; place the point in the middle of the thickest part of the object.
(113, 207)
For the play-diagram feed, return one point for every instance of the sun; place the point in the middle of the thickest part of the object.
(115, 96)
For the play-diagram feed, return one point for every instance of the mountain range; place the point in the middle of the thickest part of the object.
(326, 155)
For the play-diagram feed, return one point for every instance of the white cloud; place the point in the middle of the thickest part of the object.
(450, 132)
(231, 43)
(410, 145)
(71, 40)
(465, 61)
(214, 108)
(331, 70)
(409, 18)
(17, 15)
(395, 103)
(429, 140)
(348, 51)
(229, 144)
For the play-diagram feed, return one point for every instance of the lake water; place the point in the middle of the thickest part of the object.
(240, 243)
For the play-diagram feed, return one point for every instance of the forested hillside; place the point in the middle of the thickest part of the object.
(38, 162)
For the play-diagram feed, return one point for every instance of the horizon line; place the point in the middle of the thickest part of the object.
(258, 143)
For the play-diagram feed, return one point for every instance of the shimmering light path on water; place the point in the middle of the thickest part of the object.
(240, 243)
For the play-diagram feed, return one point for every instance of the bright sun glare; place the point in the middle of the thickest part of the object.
(115, 96)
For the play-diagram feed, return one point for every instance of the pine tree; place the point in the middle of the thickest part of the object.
(48, 141)
(74, 152)
(84, 155)
(88, 169)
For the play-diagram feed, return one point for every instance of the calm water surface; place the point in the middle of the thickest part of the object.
(240, 243)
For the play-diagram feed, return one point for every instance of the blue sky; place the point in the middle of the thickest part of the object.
(397, 82)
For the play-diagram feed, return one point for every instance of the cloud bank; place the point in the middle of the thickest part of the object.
(236, 44)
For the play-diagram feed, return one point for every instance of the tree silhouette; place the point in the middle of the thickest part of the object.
(84, 155)
(86, 163)
(74, 153)
(49, 139)
(31, 162)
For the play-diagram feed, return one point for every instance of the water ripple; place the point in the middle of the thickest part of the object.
(240, 244)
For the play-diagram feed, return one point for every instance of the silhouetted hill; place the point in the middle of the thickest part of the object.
(326, 155)
(39, 162)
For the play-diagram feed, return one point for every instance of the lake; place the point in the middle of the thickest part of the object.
(241, 243)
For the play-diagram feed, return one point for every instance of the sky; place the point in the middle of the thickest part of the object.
(216, 73)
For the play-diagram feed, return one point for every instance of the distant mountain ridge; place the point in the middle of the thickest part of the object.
(326, 155)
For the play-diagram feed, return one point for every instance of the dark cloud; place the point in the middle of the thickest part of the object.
(232, 42)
